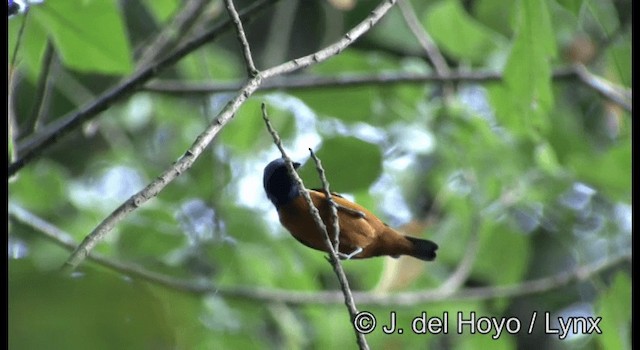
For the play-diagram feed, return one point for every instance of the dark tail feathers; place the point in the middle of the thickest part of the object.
(423, 248)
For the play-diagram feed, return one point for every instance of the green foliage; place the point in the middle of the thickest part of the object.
(50, 311)
(89, 35)
(536, 168)
(459, 34)
(352, 164)
(615, 309)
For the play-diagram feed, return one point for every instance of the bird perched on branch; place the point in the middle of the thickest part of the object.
(362, 234)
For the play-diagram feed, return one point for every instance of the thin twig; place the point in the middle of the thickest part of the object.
(429, 47)
(201, 142)
(42, 93)
(605, 88)
(334, 49)
(341, 81)
(333, 253)
(50, 134)
(462, 272)
(246, 51)
(262, 295)
(157, 185)
(170, 34)
(335, 223)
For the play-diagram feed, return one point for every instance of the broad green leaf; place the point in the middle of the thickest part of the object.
(614, 306)
(614, 177)
(43, 177)
(526, 90)
(511, 262)
(350, 164)
(572, 5)
(90, 36)
(95, 309)
(162, 9)
(247, 131)
(458, 34)
(32, 45)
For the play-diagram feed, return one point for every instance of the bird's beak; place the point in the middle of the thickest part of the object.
(296, 165)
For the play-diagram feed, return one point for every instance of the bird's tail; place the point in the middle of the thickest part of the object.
(423, 249)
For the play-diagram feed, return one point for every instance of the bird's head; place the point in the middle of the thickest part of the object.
(280, 187)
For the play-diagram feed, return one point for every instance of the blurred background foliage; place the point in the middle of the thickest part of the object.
(534, 167)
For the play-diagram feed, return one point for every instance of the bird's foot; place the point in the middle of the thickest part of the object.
(344, 256)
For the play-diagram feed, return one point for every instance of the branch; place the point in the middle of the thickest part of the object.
(54, 131)
(153, 188)
(332, 205)
(246, 51)
(203, 140)
(170, 34)
(261, 295)
(425, 40)
(342, 81)
(315, 214)
(463, 270)
(605, 88)
(335, 48)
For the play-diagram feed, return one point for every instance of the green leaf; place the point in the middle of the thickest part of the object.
(510, 265)
(614, 307)
(614, 177)
(162, 9)
(526, 89)
(95, 309)
(28, 187)
(350, 164)
(247, 132)
(458, 34)
(572, 5)
(90, 36)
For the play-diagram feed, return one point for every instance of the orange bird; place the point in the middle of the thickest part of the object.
(362, 234)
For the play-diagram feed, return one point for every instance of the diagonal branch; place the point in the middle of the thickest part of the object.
(246, 51)
(180, 25)
(53, 132)
(341, 81)
(203, 140)
(605, 88)
(333, 252)
(262, 295)
(429, 47)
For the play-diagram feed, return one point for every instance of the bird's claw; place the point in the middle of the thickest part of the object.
(344, 256)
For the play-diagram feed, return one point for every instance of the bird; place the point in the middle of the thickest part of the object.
(362, 234)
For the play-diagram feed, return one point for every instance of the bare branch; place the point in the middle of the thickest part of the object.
(171, 33)
(333, 252)
(261, 295)
(466, 264)
(605, 88)
(425, 40)
(246, 51)
(342, 81)
(334, 49)
(332, 204)
(152, 189)
(43, 90)
(50, 134)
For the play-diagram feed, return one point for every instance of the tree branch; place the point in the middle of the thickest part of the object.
(342, 81)
(429, 47)
(333, 252)
(246, 51)
(203, 140)
(262, 295)
(33, 146)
